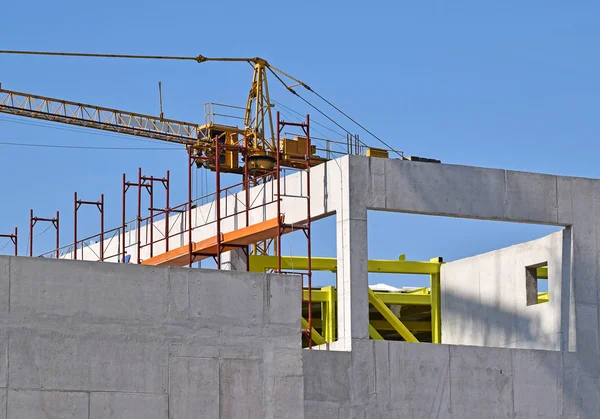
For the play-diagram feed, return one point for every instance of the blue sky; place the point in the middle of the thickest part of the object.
(497, 84)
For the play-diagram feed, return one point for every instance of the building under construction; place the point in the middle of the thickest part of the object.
(122, 325)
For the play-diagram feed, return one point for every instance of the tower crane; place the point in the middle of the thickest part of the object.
(256, 136)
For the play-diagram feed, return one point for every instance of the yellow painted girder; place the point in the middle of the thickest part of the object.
(322, 296)
(391, 318)
(374, 334)
(259, 263)
(316, 336)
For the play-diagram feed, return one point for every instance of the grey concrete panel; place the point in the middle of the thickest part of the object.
(446, 190)
(241, 391)
(383, 390)
(93, 363)
(480, 382)
(128, 406)
(531, 197)
(413, 367)
(484, 297)
(362, 373)
(326, 376)
(321, 410)
(101, 291)
(587, 275)
(24, 404)
(277, 305)
(179, 298)
(537, 390)
(242, 303)
(286, 398)
(5, 263)
(588, 352)
(193, 388)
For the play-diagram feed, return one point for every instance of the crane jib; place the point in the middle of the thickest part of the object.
(89, 116)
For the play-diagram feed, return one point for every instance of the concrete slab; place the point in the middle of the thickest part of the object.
(47, 404)
(41, 286)
(536, 382)
(193, 387)
(413, 367)
(481, 382)
(128, 406)
(241, 391)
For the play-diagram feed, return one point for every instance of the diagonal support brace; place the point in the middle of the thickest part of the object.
(391, 317)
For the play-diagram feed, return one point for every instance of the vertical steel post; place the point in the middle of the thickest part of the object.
(16, 242)
(218, 199)
(278, 175)
(75, 207)
(101, 206)
(190, 245)
(436, 319)
(167, 212)
(57, 234)
(139, 217)
(31, 232)
(124, 220)
(150, 189)
(307, 231)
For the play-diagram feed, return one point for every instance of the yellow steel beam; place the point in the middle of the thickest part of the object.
(374, 334)
(403, 298)
(316, 336)
(317, 295)
(330, 314)
(414, 326)
(543, 297)
(391, 317)
(436, 319)
(259, 263)
(542, 273)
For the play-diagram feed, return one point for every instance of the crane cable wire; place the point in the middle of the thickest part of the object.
(201, 59)
(62, 146)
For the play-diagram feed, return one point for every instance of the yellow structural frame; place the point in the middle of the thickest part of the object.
(326, 296)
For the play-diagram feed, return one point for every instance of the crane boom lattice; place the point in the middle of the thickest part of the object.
(90, 116)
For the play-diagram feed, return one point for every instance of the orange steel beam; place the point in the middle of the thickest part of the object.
(208, 247)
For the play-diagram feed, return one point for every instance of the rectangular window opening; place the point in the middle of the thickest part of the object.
(536, 283)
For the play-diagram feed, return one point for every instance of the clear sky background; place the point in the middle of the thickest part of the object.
(507, 84)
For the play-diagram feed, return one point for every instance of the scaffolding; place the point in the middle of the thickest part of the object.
(14, 238)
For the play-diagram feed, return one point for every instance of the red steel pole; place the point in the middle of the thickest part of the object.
(167, 213)
(139, 217)
(190, 247)
(308, 232)
(218, 199)
(31, 232)
(101, 227)
(75, 226)
(277, 173)
(124, 221)
(57, 234)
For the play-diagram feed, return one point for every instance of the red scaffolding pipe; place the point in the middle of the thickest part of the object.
(34, 220)
(306, 228)
(98, 204)
(14, 237)
(148, 183)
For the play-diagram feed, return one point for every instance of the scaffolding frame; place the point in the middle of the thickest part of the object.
(14, 238)
(98, 204)
(34, 220)
(306, 226)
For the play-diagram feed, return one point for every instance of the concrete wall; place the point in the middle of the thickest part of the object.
(99, 340)
(388, 380)
(484, 297)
